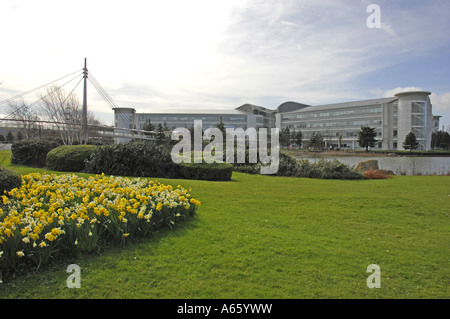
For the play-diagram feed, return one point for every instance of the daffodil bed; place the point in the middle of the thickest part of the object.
(54, 215)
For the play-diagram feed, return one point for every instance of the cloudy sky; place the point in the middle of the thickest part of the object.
(179, 54)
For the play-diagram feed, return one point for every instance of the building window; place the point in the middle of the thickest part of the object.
(417, 120)
(395, 107)
(418, 107)
(418, 132)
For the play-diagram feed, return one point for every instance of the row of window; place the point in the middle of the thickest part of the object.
(419, 107)
(343, 123)
(335, 135)
(354, 111)
(191, 118)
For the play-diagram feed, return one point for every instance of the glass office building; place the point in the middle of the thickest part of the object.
(245, 116)
(393, 118)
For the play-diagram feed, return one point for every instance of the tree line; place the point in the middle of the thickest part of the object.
(440, 140)
(366, 138)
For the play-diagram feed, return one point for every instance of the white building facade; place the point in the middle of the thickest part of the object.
(245, 116)
(392, 117)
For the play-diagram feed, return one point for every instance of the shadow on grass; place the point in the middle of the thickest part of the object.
(62, 261)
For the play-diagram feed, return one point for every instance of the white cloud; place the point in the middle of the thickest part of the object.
(441, 106)
(441, 102)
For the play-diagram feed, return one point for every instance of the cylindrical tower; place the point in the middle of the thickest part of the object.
(415, 115)
(124, 119)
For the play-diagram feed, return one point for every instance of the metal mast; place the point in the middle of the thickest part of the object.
(85, 121)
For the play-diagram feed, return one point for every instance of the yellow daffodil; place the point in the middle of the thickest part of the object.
(50, 237)
(51, 204)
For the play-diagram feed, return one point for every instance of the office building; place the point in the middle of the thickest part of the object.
(392, 117)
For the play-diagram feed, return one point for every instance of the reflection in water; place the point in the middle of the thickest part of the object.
(400, 165)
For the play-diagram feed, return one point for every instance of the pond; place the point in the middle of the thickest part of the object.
(5, 147)
(400, 165)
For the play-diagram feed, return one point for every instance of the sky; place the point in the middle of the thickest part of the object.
(202, 54)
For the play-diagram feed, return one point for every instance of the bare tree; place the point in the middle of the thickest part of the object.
(64, 111)
(27, 116)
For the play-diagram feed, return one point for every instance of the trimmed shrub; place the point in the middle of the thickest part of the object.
(288, 166)
(322, 169)
(249, 169)
(304, 169)
(139, 159)
(32, 153)
(9, 180)
(206, 171)
(69, 158)
(335, 170)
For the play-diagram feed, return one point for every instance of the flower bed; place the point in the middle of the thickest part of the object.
(52, 215)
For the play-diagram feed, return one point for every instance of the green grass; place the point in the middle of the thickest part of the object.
(276, 237)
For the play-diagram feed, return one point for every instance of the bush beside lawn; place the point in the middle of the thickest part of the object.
(69, 158)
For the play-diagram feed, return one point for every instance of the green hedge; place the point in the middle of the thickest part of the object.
(326, 170)
(206, 171)
(146, 159)
(32, 152)
(9, 180)
(332, 170)
(289, 166)
(69, 158)
(139, 159)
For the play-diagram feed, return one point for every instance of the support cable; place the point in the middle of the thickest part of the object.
(40, 98)
(35, 89)
(112, 104)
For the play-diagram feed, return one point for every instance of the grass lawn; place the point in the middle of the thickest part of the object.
(276, 237)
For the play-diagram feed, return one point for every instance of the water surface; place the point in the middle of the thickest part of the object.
(400, 165)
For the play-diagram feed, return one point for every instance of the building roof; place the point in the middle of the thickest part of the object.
(346, 105)
(287, 107)
(291, 106)
(250, 108)
(243, 109)
(195, 111)
(412, 93)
